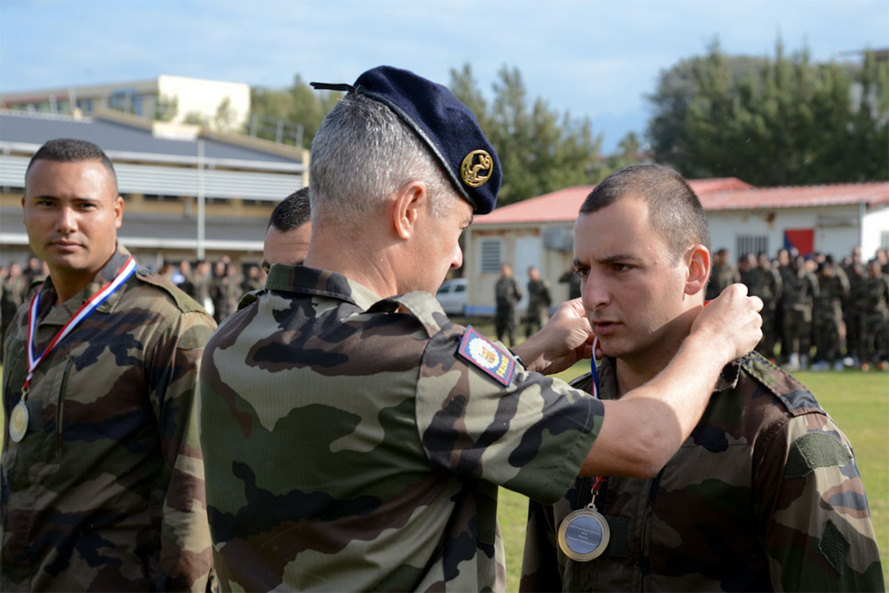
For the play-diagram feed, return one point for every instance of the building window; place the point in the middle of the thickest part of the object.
(491, 254)
(751, 244)
(884, 239)
(218, 201)
(256, 202)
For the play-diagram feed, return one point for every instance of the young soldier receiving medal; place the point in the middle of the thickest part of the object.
(102, 474)
(764, 495)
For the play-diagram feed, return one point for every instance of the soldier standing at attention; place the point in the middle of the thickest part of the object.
(723, 274)
(764, 496)
(765, 282)
(539, 301)
(355, 437)
(507, 294)
(101, 481)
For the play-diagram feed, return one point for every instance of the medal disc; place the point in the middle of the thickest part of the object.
(584, 535)
(18, 422)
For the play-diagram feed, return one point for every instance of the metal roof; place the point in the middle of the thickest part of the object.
(35, 129)
(715, 194)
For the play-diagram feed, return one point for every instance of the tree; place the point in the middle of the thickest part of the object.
(540, 149)
(291, 115)
(772, 121)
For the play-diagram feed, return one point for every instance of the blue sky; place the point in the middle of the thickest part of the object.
(596, 59)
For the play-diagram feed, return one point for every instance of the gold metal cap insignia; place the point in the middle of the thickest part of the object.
(475, 173)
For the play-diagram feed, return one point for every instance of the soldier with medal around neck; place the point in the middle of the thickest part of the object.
(355, 438)
(101, 479)
(764, 495)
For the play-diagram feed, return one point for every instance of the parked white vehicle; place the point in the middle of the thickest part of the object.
(452, 296)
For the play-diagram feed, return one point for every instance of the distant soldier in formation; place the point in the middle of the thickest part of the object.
(539, 301)
(15, 287)
(223, 291)
(765, 282)
(827, 322)
(724, 274)
(507, 295)
(875, 318)
(798, 299)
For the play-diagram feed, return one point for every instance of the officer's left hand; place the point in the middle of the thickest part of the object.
(565, 339)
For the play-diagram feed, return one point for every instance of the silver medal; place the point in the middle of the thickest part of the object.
(584, 535)
(18, 421)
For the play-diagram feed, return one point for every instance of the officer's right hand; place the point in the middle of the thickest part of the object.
(730, 324)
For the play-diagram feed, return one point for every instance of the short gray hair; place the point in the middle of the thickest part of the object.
(362, 154)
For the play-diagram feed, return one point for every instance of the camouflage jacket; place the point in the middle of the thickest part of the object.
(105, 491)
(349, 447)
(765, 495)
(507, 293)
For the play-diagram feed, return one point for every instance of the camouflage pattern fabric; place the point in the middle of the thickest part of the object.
(765, 495)
(348, 447)
(105, 491)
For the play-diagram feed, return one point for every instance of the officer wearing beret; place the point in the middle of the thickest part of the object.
(101, 483)
(355, 438)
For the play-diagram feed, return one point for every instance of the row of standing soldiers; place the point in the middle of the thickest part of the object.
(834, 314)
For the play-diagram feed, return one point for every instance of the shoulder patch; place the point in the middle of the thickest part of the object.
(814, 450)
(479, 351)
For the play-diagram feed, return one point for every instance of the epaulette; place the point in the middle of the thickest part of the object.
(249, 298)
(184, 303)
(421, 305)
(781, 384)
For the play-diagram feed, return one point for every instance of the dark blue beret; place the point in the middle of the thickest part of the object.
(445, 124)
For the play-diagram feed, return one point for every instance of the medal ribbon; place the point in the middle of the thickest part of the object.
(594, 369)
(85, 310)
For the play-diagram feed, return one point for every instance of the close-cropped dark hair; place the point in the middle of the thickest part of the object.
(292, 212)
(675, 212)
(71, 150)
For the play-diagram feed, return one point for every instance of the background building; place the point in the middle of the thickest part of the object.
(217, 105)
(540, 231)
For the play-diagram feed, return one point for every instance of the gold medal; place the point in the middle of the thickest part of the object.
(584, 535)
(18, 421)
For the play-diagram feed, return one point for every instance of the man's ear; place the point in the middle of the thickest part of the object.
(697, 261)
(406, 206)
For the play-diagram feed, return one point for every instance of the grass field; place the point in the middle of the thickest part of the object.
(859, 402)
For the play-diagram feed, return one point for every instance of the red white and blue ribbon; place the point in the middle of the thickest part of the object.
(93, 303)
(594, 369)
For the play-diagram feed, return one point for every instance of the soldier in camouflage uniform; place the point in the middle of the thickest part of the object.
(723, 274)
(833, 291)
(875, 318)
(355, 438)
(765, 282)
(539, 301)
(797, 300)
(765, 494)
(15, 287)
(101, 479)
(507, 295)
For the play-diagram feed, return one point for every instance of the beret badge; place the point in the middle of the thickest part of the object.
(477, 168)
